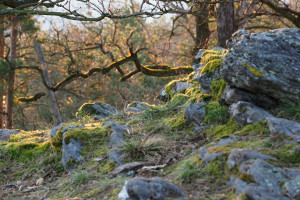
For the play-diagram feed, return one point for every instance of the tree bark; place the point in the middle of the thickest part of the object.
(225, 28)
(1, 78)
(11, 76)
(202, 28)
(51, 94)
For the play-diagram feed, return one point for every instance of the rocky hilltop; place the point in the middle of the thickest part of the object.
(229, 130)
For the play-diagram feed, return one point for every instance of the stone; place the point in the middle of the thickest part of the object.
(224, 142)
(259, 193)
(264, 174)
(280, 126)
(199, 55)
(195, 113)
(116, 127)
(116, 138)
(238, 156)
(232, 95)
(71, 151)
(182, 86)
(206, 79)
(208, 157)
(292, 186)
(136, 107)
(55, 130)
(5, 133)
(116, 157)
(178, 86)
(266, 63)
(245, 113)
(133, 166)
(145, 189)
(98, 109)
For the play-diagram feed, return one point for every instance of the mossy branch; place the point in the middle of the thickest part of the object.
(35, 97)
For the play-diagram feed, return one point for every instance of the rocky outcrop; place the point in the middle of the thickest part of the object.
(5, 134)
(154, 188)
(247, 113)
(99, 110)
(232, 95)
(71, 152)
(266, 63)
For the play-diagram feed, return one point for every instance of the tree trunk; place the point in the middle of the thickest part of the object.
(1, 78)
(202, 28)
(11, 76)
(51, 94)
(225, 28)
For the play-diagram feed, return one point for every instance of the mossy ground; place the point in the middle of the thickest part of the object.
(159, 135)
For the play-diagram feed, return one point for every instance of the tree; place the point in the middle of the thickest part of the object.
(2, 44)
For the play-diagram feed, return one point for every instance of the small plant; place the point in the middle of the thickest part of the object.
(216, 114)
(137, 149)
(80, 177)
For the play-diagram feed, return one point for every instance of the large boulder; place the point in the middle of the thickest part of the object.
(5, 134)
(195, 113)
(99, 110)
(267, 63)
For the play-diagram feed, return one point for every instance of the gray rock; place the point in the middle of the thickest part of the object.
(115, 156)
(259, 193)
(245, 113)
(199, 55)
(292, 186)
(267, 63)
(179, 86)
(116, 139)
(116, 127)
(136, 107)
(224, 142)
(195, 113)
(254, 191)
(208, 157)
(279, 126)
(5, 133)
(238, 156)
(232, 95)
(182, 86)
(202, 152)
(98, 109)
(71, 151)
(145, 189)
(264, 174)
(163, 95)
(55, 130)
(206, 79)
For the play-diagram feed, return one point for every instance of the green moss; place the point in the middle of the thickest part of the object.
(215, 113)
(176, 122)
(211, 66)
(109, 166)
(252, 69)
(169, 89)
(219, 149)
(217, 87)
(178, 99)
(56, 141)
(258, 128)
(221, 131)
(286, 154)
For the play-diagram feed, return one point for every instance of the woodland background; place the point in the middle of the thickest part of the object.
(130, 54)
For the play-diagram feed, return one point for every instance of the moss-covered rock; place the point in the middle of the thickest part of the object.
(98, 109)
